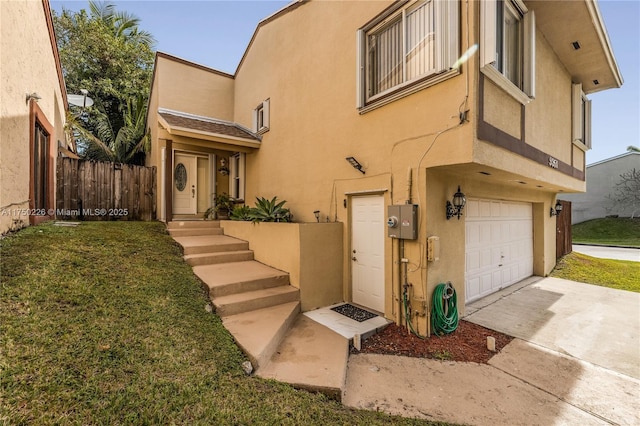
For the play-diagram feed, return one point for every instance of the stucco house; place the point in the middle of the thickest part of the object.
(32, 113)
(348, 108)
(599, 199)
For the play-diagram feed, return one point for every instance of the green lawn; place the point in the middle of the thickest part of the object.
(608, 231)
(618, 274)
(105, 324)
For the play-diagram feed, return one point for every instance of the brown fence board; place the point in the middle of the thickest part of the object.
(563, 230)
(92, 190)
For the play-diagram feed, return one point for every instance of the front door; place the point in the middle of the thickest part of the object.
(367, 251)
(185, 184)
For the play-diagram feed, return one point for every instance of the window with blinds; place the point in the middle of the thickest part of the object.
(507, 46)
(406, 46)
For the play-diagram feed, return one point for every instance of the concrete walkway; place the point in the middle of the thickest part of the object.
(604, 252)
(576, 360)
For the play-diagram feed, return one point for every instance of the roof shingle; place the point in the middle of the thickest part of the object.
(207, 125)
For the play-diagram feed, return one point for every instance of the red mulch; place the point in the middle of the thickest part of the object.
(468, 343)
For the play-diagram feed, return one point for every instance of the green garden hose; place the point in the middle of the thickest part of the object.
(444, 318)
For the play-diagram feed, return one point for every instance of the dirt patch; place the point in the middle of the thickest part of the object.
(468, 343)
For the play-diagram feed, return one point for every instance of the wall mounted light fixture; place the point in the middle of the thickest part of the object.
(356, 165)
(33, 96)
(316, 213)
(224, 170)
(557, 210)
(455, 209)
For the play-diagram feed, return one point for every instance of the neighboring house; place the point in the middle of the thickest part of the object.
(389, 84)
(32, 113)
(602, 178)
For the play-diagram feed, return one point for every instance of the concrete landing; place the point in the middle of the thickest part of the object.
(346, 326)
(310, 357)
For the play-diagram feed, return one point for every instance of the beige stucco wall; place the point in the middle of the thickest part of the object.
(309, 252)
(315, 124)
(198, 91)
(27, 65)
(413, 149)
(547, 124)
(192, 89)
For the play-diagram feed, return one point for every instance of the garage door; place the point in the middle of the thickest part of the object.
(499, 245)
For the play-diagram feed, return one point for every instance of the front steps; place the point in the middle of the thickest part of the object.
(262, 311)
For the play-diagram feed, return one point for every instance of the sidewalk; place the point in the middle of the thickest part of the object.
(604, 252)
(543, 377)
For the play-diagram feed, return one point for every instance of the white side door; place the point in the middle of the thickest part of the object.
(185, 184)
(367, 251)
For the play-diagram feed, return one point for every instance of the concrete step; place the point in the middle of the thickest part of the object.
(251, 300)
(210, 244)
(220, 257)
(260, 332)
(224, 279)
(310, 357)
(188, 232)
(193, 224)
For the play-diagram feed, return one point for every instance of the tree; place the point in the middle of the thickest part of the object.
(627, 191)
(108, 55)
(124, 145)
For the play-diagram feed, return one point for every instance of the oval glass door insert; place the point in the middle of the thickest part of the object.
(180, 176)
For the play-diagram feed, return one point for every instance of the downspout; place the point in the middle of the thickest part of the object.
(409, 184)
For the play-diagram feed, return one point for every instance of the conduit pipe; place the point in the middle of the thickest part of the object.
(409, 184)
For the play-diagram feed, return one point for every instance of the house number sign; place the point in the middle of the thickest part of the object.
(553, 162)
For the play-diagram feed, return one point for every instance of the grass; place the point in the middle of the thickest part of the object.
(623, 232)
(105, 324)
(618, 274)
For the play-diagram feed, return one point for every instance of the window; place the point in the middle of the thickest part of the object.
(508, 47)
(40, 167)
(406, 46)
(236, 175)
(581, 119)
(261, 117)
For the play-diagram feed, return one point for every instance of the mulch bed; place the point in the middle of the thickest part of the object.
(468, 343)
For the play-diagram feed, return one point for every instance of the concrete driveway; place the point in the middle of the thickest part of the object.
(575, 360)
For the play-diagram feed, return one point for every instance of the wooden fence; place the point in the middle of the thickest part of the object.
(92, 190)
(563, 230)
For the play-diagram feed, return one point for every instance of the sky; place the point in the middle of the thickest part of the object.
(216, 34)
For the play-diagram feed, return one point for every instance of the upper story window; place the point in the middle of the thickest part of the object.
(581, 120)
(261, 117)
(508, 47)
(405, 47)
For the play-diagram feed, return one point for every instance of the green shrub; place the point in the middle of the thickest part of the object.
(269, 211)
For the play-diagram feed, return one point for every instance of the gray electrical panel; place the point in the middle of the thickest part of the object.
(402, 221)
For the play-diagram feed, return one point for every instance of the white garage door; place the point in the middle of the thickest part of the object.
(499, 245)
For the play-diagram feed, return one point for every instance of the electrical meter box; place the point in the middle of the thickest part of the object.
(402, 222)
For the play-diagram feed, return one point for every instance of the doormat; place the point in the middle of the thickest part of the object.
(354, 312)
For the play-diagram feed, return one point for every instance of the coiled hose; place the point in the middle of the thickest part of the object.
(444, 318)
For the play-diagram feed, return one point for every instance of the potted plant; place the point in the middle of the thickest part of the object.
(222, 205)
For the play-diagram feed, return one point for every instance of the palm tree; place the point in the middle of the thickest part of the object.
(122, 24)
(632, 148)
(128, 144)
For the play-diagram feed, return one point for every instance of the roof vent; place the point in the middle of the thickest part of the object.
(576, 45)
